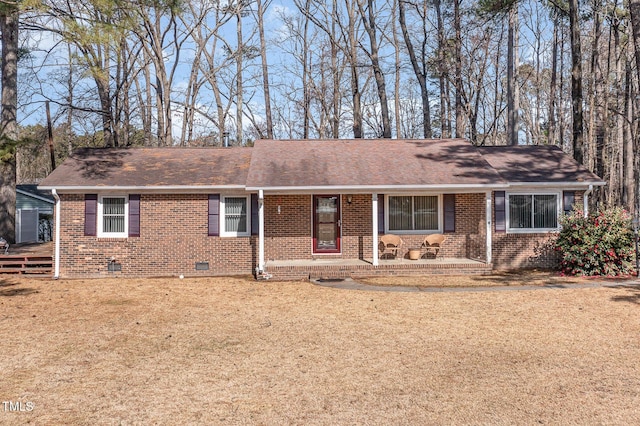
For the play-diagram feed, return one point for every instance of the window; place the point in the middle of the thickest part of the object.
(236, 216)
(413, 213)
(533, 212)
(112, 216)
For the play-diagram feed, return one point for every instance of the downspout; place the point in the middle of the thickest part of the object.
(260, 268)
(488, 214)
(585, 200)
(56, 269)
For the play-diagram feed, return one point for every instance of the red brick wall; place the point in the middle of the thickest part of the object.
(288, 234)
(173, 237)
(526, 250)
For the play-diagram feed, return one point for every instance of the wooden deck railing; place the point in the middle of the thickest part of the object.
(26, 264)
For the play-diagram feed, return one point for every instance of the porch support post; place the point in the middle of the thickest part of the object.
(56, 267)
(374, 221)
(260, 231)
(489, 227)
(585, 201)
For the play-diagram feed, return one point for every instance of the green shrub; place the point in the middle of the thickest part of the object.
(600, 244)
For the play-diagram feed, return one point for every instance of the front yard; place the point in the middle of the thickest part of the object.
(237, 351)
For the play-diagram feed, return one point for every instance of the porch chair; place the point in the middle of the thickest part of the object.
(4, 245)
(433, 243)
(390, 243)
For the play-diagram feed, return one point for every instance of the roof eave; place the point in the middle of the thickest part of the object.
(368, 189)
(37, 197)
(567, 184)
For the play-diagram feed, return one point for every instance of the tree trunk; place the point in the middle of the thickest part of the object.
(239, 76)
(420, 76)
(8, 123)
(576, 82)
(551, 139)
(512, 83)
(369, 21)
(458, 68)
(634, 10)
(443, 78)
(265, 70)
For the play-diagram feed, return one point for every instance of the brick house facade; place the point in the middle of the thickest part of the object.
(206, 218)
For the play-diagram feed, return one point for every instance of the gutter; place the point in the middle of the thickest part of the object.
(56, 269)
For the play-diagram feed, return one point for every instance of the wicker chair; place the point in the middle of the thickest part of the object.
(390, 243)
(433, 243)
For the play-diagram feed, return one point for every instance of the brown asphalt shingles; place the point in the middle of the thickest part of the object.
(312, 164)
(536, 163)
(152, 167)
(368, 162)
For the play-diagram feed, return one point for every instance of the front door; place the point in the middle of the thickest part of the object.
(326, 224)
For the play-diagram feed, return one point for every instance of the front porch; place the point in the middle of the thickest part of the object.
(357, 268)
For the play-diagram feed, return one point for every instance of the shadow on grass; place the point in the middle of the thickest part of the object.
(8, 289)
(632, 295)
(525, 277)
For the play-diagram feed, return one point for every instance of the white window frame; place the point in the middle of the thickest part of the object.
(417, 231)
(223, 222)
(100, 231)
(558, 195)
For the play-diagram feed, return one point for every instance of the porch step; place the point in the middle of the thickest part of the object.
(26, 264)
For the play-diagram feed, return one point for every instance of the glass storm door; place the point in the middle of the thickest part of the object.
(326, 224)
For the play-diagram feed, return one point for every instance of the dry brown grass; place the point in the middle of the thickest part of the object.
(500, 278)
(236, 351)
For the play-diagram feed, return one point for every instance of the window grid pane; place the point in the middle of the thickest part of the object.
(426, 213)
(113, 215)
(400, 213)
(413, 213)
(235, 214)
(520, 211)
(545, 211)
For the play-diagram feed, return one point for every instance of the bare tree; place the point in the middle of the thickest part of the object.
(419, 71)
(8, 119)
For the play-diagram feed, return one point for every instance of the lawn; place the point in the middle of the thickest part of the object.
(237, 351)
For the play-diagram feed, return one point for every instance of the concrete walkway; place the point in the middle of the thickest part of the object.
(350, 284)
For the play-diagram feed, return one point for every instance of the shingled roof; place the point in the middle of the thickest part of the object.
(152, 168)
(536, 163)
(313, 165)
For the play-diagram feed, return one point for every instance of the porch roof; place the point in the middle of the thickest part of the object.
(369, 163)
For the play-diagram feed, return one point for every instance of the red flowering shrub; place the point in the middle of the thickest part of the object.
(600, 244)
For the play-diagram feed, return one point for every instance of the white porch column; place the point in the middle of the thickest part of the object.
(56, 268)
(585, 200)
(260, 231)
(374, 221)
(489, 227)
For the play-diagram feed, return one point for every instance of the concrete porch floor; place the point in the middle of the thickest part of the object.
(385, 262)
(354, 268)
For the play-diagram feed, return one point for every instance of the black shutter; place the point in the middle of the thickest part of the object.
(568, 199)
(214, 215)
(500, 209)
(449, 201)
(134, 215)
(90, 214)
(380, 213)
(254, 215)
